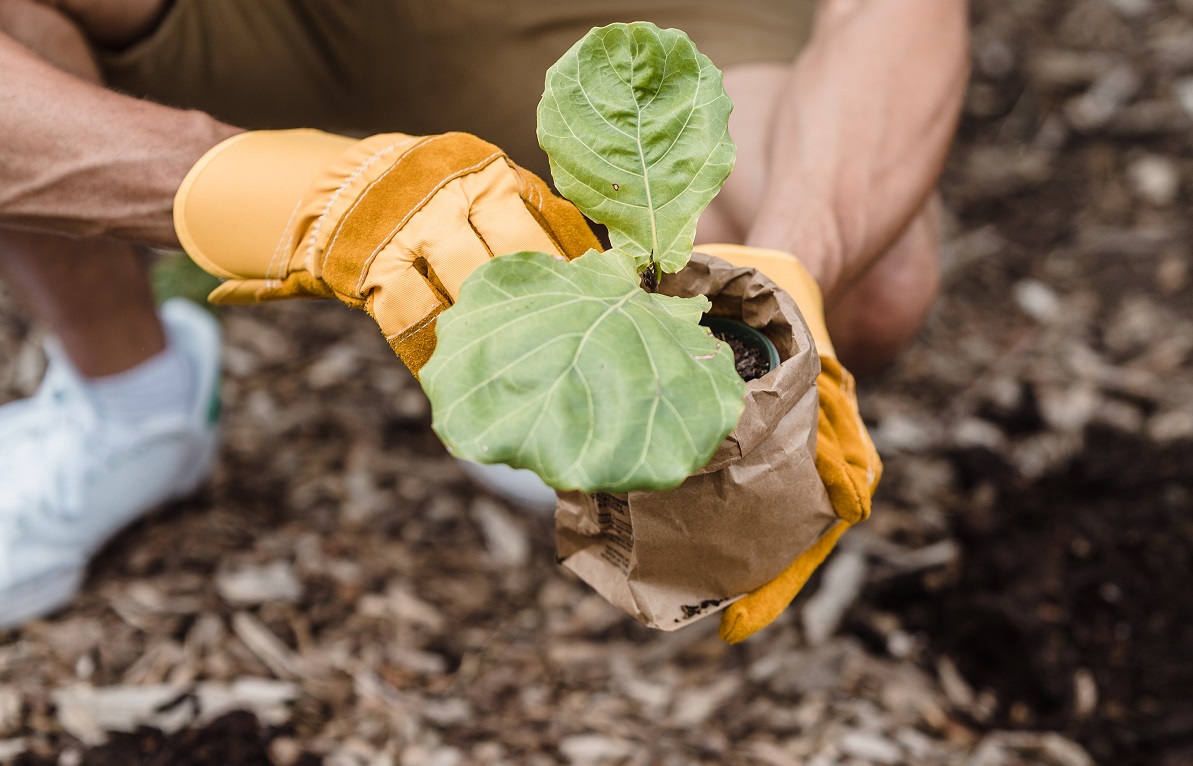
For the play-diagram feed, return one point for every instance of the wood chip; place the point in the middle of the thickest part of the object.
(89, 713)
(11, 748)
(694, 706)
(267, 647)
(958, 690)
(269, 700)
(844, 576)
(10, 710)
(584, 749)
(870, 748)
(1046, 749)
(504, 537)
(770, 754)
(155, 665)
(253, 585)
(407, 607)
(333, 367)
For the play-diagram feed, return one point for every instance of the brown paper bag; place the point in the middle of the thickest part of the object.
(668, 558)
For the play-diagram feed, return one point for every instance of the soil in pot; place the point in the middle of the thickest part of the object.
(751, 363)
(753, 353)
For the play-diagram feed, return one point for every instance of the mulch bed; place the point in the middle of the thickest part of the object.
(1018, 596)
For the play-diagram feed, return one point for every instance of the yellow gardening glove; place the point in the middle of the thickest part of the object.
(391, 224)
(845, 457)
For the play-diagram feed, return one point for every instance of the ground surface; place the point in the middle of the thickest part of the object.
(1021, 587)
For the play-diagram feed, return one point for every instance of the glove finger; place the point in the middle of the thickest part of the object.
(438, 247)
(418, 275)
(501, 218)
(405, 304)
(560, 219)
(762, 606)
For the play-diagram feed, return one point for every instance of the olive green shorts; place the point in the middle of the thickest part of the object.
(413, 66)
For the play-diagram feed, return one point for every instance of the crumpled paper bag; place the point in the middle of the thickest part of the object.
(669, 558)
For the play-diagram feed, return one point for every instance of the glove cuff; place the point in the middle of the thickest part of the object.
(240, 197)
(786, 271)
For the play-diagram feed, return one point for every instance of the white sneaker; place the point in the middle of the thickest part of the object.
(519, 486)
(68, 482)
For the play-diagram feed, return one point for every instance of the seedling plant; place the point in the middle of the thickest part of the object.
(579, 370)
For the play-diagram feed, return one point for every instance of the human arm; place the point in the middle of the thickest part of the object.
(860, 133)
(85, 161)
(82, 160)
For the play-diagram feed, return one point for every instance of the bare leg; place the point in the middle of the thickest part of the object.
(93, 294)
(877, 316)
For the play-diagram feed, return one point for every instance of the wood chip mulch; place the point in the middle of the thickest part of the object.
(342, 595)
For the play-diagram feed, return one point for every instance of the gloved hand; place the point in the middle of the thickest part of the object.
(391, 224)
(845, 457)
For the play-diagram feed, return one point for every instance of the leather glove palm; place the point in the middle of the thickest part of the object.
(845, 457)
(391, 224)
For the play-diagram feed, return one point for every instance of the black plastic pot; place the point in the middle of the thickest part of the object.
(746, 334)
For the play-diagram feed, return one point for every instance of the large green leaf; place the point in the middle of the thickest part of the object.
(573, 371)
(635, 122)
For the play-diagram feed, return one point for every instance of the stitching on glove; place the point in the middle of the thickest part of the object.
(528, 187)
(277, 251)
(336, 195)
(413, 328)
(729, 623)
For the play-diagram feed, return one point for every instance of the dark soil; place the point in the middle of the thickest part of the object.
(750, 361)
(1082, 572)
(234, 739)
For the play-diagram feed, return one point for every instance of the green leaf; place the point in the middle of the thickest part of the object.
(635, 122)
(573, 371)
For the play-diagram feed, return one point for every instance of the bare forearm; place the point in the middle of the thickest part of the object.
(862, 132)
(79, 159)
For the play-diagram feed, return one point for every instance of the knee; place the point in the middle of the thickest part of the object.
(879, 316)
(30, 23)
(51, 35)
(114, 23)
